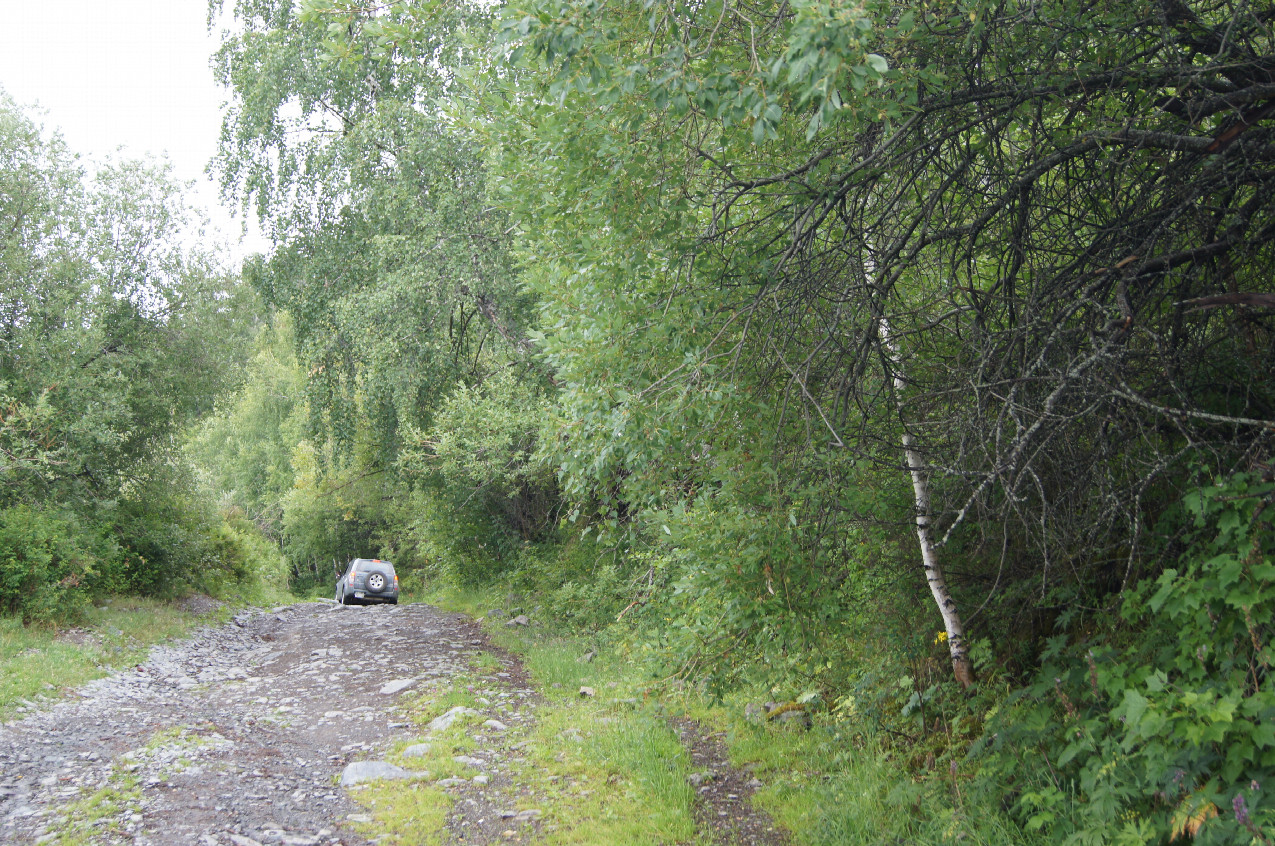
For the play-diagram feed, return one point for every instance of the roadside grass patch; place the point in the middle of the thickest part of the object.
(474, 601)
(416, 811)
(625, 780)
(603, 768)
(39, 663)
(406, 812)
(602, 774)
(485, 662)
(88, 819)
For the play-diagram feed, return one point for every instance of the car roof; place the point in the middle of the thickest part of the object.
(371, 561)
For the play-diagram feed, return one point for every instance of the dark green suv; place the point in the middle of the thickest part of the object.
(367, 580)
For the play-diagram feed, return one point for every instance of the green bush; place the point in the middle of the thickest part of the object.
(46, 566)
(242, 560)
(1172, 734)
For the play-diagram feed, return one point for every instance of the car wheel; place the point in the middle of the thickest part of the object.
(394, 601)
(376, 583)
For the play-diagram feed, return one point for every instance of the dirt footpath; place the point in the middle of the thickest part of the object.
(234, 736)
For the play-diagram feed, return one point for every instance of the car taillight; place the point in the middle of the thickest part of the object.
(351, 578)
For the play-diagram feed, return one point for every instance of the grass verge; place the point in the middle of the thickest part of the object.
(587, 770)
(39, 664)
(836, 783)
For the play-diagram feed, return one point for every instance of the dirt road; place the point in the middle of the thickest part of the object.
(235, 736)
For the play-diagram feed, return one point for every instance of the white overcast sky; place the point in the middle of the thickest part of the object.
(123, 73)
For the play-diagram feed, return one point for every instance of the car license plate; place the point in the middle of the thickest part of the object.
(358, 594)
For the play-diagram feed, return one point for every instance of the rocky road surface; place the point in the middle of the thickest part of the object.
(234, 736)
(239, 735)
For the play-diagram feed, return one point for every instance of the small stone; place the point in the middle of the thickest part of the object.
(470, 762)
(698, 779)
(397, 685)
(451, 782)
(754, 712)
(480, 780)
(520, 620)
(495, 725)
(587, 658)
(417, 750)
(361, 771)
(586, 692)
(528, 814)
(359, 818)
(753, 784)
(240, 840)
(445, 721)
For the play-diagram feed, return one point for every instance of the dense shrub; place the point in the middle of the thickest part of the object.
(243, 561)
(1173, 732)
(46, 565)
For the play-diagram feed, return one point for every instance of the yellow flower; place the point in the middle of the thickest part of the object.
(941, 637)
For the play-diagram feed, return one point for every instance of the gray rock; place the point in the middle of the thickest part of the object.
(520, 620)
(753, 783)
(587, 658)
(361, 771)
(586, 692)
(697, 779)
(451, 782)
(240, 840)
(417, 750)
(495, 725)
(397, 685)
(800, 718)
(470, 762)
(494, 613)
(754, 712)
(444, 722)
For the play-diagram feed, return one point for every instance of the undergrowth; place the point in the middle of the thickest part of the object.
(39, 663)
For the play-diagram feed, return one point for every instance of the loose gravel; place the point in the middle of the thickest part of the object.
(234, 736)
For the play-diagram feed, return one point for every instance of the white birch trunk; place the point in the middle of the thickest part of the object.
(961, 665)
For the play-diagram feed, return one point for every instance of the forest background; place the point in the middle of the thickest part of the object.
(910, 361)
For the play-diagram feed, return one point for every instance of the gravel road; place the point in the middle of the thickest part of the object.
(233, 736)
